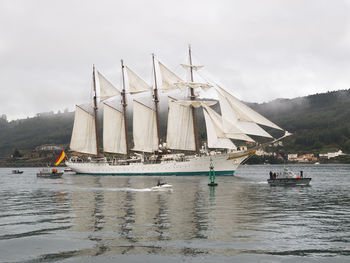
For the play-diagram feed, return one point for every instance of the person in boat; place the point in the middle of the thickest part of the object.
(159, 183)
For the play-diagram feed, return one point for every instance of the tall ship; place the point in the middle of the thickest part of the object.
(178, 152)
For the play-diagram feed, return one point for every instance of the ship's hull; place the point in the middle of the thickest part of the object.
(193, 166)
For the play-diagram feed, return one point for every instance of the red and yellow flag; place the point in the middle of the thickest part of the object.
(60, 158)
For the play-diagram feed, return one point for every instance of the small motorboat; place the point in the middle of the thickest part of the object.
(17, 172)
(287, 177)
(49, 173)
(162, 187)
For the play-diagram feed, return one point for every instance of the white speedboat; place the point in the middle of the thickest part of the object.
(162, 187)
(17, 172)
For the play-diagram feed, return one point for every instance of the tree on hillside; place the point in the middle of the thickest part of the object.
(16, 153)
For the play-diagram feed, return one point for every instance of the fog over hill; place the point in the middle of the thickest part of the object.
(318, 122)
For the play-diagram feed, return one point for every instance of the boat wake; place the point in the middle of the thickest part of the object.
(123, 189)
(98, 189)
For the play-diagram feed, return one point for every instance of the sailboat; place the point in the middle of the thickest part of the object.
(180, 154)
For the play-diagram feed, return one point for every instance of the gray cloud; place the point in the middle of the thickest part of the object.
(258, 49)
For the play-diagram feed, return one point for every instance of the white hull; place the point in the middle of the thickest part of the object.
(193, 166)
(164, 187)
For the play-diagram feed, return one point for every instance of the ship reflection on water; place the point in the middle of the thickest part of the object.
(125, 219)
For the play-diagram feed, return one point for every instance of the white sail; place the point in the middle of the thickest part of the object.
(213, 140)
(230, 120)
(245, 113)
(136, 84)
(113, 130)
(252, 128)
(235, 132)
(144, 128)
(180, 131)
(170, 80)
(84, 134)
(107, 90)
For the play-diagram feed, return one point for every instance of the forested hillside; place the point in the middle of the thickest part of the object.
(28, 133)
(318, 122)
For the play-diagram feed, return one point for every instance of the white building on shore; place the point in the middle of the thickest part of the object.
(330, 155)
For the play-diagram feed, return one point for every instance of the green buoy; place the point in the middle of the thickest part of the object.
(212, 174)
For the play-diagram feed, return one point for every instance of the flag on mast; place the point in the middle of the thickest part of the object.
(60, 158)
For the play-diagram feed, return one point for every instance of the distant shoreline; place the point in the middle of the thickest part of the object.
(32, 165)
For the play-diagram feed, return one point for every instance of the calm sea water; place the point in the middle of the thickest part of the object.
(81, 218)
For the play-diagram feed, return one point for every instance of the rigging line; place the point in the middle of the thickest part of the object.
(196, 59)
(245, 160)
(181, 76)
(200, 75)
(214, 83)
(208, 79)
(203, 70)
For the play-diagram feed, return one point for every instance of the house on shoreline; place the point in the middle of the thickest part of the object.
(330, 155)
(311, 158)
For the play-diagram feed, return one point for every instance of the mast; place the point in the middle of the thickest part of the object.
(95, 113)
(156, 99)
(124, 111)
(195, 130)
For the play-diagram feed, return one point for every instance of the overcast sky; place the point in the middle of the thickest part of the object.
(258, 49)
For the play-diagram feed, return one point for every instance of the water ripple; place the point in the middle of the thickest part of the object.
(80, 216)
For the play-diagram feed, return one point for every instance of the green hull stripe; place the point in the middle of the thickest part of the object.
(206, 173)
